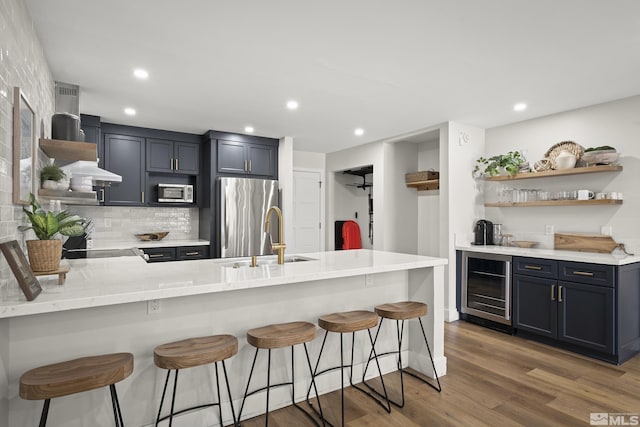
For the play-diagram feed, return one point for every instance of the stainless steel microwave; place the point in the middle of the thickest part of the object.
(175, 193)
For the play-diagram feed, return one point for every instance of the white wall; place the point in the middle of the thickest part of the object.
(615, 123)
(285, 182)
(400, 202)
(429, 229)
(460, 202)
(309, 160)
(22, 64)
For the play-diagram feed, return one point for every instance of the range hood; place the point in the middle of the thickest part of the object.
(88, 168)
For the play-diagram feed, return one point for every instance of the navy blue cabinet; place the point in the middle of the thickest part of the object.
(588, 308)
(124, 155)
(251, 159)
(173, 157)
(179, 253)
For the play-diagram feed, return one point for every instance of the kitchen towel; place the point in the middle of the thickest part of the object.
(351, 235)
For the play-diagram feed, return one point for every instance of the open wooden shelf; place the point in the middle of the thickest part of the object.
(549, 173)
(69, 150)
(553, 203)
(430, 184)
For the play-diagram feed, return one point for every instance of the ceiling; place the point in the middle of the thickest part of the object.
(389, 67)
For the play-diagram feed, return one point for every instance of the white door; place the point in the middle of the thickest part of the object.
(307, 211)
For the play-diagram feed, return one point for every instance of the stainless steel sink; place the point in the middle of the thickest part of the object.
(268, 260)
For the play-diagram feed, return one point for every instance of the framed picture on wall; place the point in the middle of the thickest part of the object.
(21, 269)
(24, 128)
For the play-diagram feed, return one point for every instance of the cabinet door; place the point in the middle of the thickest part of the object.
(231, 157)
(262, 160)
(586, 316)
(536, 308)
(159, 155)
(124, 155)
(187, 158)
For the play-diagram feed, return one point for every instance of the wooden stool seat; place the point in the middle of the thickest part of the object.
(402, 310)
(281, 335)
(195, 351)
(348, 321)
(75, 376)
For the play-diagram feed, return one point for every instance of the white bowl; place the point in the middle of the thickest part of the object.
(82, 188)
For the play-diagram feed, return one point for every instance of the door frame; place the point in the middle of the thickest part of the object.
(323, 191)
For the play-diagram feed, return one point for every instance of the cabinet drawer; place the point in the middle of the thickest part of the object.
(192, 252)
(537, 267)
(160, 254)
(595, 274)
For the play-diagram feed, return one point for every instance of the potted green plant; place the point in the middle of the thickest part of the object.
(45, 253)
(497, 165)
(50, 176)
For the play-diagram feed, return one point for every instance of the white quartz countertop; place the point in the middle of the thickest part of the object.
(136, 243)
(617, 258)
(95, 282)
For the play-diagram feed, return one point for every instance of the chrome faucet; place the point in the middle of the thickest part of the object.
(280, 245)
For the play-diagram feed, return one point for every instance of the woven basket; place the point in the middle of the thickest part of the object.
(44, 255)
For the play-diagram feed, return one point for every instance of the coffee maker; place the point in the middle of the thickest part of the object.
(483, 232)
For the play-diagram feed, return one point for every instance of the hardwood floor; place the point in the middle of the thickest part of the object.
(493, 379)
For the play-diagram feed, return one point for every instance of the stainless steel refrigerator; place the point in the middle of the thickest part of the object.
(243, 206)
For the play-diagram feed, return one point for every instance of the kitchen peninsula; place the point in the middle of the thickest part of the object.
(102, 308)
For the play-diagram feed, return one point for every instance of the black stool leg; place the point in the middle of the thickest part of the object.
(266, 420)
(117, 414)
(246, 390)
(226, 380)
(173, 398)
(164, 390)
(45, 413)
(433, 365)
(386, 407)
(215, 366)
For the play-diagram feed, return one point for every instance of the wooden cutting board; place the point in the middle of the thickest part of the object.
(584, 242)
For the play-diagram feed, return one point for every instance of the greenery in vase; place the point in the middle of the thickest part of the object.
(509, 163)
(47, 224)
(51, 173)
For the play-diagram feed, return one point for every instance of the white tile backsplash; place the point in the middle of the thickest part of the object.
(121, 223)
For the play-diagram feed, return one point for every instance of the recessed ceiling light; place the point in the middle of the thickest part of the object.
(248, 129)
(359, 131)
(130, 111)
(292, 105)
(141, 73)
(521, 106)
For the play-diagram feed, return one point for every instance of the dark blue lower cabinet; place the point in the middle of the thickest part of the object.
(592, 309)
(586, 316)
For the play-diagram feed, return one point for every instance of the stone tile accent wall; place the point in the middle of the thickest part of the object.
(121, 223)
(22, 64)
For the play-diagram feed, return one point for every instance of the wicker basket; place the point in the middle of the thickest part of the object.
(44, 255)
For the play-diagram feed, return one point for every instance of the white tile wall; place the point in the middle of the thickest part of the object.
(121, 223)
(22, 64)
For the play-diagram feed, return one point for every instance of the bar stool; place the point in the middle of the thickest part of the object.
(190, 353)
(280, 336)
(75, 376)
(348, 322)
(401, 311)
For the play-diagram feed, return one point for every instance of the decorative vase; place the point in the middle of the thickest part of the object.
(44, 255)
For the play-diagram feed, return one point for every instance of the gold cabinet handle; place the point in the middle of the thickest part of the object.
(560, 293)
(553, 292)
(533, 267)
(142, 196)
(156, 255)
(249, 165)
(102, 195)
(176, 161)
(583, 273)
(170, 164)
(192, 253)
